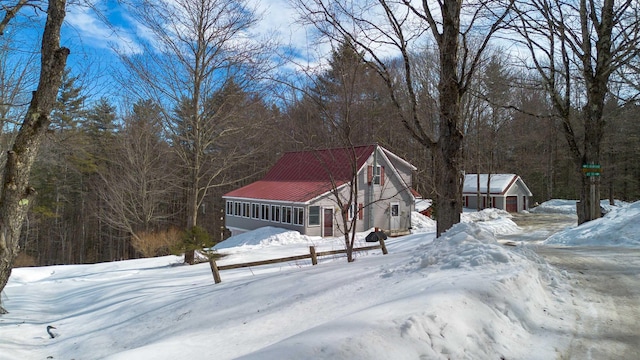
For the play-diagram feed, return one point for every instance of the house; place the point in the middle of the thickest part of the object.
(506, 191)
(299, 193)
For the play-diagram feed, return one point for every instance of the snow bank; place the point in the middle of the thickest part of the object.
(555, 206)
(465, 245)
(619, 227)
(559, 206)
(421, 223)
(264, 236)
(494, 220)
(461, 296)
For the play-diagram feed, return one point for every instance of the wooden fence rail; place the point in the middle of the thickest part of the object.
(313, 255)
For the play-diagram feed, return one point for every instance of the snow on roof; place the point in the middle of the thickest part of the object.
(499, 182)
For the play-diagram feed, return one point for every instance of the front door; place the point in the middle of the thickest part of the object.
(394, 216)
(327, 222)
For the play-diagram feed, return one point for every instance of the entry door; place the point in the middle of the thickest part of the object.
(394, 216)
(327, 227)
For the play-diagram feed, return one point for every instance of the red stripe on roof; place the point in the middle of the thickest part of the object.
(304, 175)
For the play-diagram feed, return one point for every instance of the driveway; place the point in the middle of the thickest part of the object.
(605, 291)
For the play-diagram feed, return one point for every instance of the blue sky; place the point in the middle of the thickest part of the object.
(92, 39)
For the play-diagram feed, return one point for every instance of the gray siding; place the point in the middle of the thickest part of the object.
(375, 199)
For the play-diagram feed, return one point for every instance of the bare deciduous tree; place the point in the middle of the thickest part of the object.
(16, 191)
(397, 26)
(576, 47)
(137, 179)
(199, 64)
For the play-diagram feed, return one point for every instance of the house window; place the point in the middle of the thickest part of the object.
(245, 210)
(275, 213)
(237, 208)
(314, 215)
(377, 170)
(353, 211)
(264, 214)
(356, 210)
(255, 211)
(298, 216)
(286, 214)
(375, 175)
(229, 207)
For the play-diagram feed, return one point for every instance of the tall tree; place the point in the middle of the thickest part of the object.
(400, 26)
(17, 193)
(137, 180)
(576, 47)
(201, 48)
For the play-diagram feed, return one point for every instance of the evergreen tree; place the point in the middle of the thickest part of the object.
(69, 108)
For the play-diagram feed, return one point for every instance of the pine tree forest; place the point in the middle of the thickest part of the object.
(140, 172)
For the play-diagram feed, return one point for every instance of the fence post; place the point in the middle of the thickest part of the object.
(215, 271)
(383, 246)
(314, 257)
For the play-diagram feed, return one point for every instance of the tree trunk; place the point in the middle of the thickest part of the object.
(16, 192)
(448, 154)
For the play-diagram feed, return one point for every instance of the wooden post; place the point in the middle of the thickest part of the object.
(215, 271)
(314, 257)
(383, 247)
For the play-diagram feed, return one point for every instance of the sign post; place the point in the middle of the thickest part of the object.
(592, 171)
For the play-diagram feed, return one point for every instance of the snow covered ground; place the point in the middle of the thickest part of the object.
(461, 296)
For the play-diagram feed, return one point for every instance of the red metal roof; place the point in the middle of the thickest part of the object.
(304, 175)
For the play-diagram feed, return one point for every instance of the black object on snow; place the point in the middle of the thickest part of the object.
(375, 236)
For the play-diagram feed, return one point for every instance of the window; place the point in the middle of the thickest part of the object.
(395, 209)
(237, 208)
(375, 175)
(298, 216)
(275, 213)
(264, 214)
(229, 207)
(314, 215)
(377, 170)
(255, 211)
(245, 209)
(352, 211)
(286, 214)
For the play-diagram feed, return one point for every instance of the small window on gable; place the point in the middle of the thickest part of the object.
(375, 174)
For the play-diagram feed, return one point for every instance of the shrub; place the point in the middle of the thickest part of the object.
(159, 243)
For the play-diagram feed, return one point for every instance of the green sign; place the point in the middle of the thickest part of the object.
(591, 169)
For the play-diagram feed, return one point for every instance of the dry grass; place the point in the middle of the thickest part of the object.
(24, 260)
(159, 243)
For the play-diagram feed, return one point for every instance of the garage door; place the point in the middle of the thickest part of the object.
(512, 203)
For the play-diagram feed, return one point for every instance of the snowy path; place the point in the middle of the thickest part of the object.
(606, 289)
(606, 295)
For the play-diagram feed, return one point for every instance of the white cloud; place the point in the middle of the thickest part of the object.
(97, 33)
